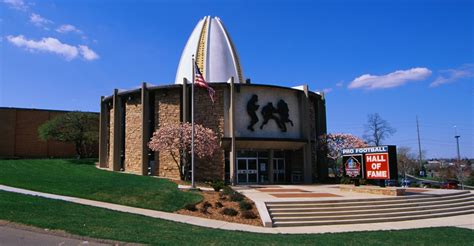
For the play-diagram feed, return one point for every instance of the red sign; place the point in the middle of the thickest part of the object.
(376, 166)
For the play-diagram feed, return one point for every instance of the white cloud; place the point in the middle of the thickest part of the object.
(394, 79)
(68, 28)
(87, 53)
(54, 46)
(340, 84)
(16, 4)
(453, 75)
(39, 21)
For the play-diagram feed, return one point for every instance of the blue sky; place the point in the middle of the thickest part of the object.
(397, 58)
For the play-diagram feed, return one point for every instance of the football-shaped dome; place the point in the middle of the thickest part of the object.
(214, 52)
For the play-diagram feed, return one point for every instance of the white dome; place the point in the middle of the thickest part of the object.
(214, 52)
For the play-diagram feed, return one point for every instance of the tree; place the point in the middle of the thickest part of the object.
(333, 144)
(462, 170)
(377, 129)
(79, 128)
(176, 140)
(406, 161)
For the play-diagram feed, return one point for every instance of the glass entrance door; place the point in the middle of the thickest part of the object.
(247, 170)
(279, 175)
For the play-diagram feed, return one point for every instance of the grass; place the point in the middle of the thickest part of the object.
(106, 224)
(80, 178)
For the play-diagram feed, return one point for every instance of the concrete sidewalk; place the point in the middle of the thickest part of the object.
(465, 221)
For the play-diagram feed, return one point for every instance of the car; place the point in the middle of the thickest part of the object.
(391, 182)
(450, 184)
(405, 182)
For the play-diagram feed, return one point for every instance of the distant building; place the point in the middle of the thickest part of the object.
(20, 139)
(268, 134)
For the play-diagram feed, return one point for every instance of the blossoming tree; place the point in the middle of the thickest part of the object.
(333, 144)
(176, 140)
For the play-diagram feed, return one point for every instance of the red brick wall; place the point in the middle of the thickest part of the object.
(19, 131)
(7, 132)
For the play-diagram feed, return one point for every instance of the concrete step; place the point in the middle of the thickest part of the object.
(372, 220)
(375, 214)
(292, 209)
(356, 202)
(409, 197)
(370, 210)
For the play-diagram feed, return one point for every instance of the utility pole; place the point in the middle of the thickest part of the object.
(419, 146)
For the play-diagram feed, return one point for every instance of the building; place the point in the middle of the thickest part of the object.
(267, 133)
(20, 139)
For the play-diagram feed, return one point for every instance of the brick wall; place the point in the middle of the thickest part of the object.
(19, 131)
(211, 116)
(133, 133)
(7, 131)
(167, 111)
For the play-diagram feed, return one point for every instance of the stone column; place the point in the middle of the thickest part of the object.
(232, 153)
(306, 128)
(117, 104)
(146, 135)
(103, 134)
(185, 102)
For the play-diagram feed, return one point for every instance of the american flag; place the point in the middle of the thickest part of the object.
(201, 82)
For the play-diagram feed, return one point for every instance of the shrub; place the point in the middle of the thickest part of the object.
(236, 197)
(190, 207)
(218, 205)
(217, 185)
(203, 210)
(223, 197)
(206, 205)
(345, 180)
(245, 206)
(226, 191)
(248, 215)
(229, 212)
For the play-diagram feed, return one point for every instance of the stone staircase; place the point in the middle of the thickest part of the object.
(373, 210)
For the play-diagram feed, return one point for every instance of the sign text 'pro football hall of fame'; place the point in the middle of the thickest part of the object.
(376, 163)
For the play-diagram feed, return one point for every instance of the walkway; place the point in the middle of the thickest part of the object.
(466, 221)
(280, 193)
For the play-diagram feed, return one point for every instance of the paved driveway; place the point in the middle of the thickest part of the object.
(13, 234)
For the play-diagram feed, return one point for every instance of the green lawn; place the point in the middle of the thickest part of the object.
(106, 224)
(80, 178)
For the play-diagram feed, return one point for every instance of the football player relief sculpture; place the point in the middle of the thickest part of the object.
(280, 114)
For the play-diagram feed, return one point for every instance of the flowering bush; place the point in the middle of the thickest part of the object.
(176, 140)
(333, 144)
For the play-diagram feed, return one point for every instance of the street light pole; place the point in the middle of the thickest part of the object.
(420, 158)
(456, 136)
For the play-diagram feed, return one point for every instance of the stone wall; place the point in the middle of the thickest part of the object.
(167, 111)
(133, 139)
(211, 115)
(110, 152)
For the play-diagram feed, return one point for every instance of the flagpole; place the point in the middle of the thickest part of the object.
(192, 131)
